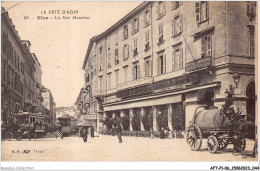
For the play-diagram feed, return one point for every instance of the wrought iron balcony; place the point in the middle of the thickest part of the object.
(199, 64)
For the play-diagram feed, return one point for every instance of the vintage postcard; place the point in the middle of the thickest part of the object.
(129, 81)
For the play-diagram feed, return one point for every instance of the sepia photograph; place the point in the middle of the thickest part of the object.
(129, 81)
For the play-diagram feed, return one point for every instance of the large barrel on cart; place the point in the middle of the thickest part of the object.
(219, 130)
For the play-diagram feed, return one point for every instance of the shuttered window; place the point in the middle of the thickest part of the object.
(135, 53)
(148, 68)
(206, 46)
(136, 71)
(101, 84)
(177, 59)
(147, 17)
(109, 60)
(125, 32)
(176, 4)
(161, 64)
(202, 11)
(116, 38)
(117, 76)
(108, 43)
(135, 25)
(251, 40)
(125, 51)
(177, 25)
(161, 9)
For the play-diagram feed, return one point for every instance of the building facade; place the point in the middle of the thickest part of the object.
(49, 103)
(12, 63)
(38, 83)
(30, 102)
(21, 75)
(161, 61)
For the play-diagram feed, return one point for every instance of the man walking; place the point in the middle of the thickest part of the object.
(118, 130)
(92, 131)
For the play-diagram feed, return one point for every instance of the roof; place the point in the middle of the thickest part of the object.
(112, 28)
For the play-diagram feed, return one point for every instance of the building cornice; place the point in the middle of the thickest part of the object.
(124, 19)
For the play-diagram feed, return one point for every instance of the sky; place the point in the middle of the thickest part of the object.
(61, 44)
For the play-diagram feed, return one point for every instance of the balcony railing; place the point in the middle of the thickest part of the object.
(198, 64)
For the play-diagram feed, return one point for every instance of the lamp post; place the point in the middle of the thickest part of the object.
(236, 78)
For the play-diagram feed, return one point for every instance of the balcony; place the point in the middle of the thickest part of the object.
(199, 64)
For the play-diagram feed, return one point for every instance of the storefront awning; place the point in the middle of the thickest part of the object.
(145, 103)
(155, 100)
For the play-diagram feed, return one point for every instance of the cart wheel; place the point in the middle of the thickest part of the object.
(223, 143)
(212, 144)
(194, 137)
(9, 136)
(241, 145)
(2, 137)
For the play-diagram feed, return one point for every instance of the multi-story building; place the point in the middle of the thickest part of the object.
(29, 79)
(21, 78)
(161, 61)
(91, 94)
(38, 83)
(12, 63)
(49, 103)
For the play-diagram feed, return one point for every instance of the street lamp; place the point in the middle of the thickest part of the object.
(236, 78)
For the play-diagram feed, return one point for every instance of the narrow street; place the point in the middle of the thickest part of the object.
(107, 148)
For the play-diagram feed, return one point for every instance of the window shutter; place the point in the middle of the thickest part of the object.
(132, 26)
(133, 72)
(203, 45)
(173, 60)
(181, 58)
(197, 11)
(164, 63)
(158, 65)
(173, 26)
(138, 72)
(144, 69)
(124, 53)
(181, 22)
(209, 45)
(137, 20)
(127, 51)
(150, 68)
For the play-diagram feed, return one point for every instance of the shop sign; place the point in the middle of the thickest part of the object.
(198, 64)
(160, 85)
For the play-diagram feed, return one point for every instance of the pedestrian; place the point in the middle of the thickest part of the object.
(152, 132)
(92, 131)
(118, 130)
(113, 130)
(59, 132)
(162, 133)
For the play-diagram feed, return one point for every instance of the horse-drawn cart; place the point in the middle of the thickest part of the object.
(219, 129)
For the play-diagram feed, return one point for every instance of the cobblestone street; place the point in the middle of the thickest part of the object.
(107, 148)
